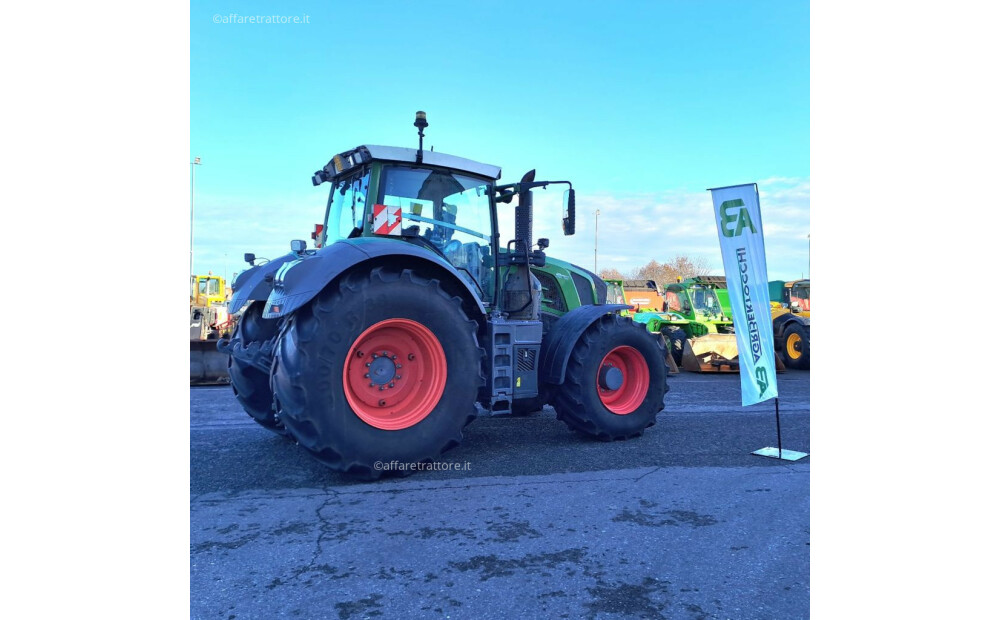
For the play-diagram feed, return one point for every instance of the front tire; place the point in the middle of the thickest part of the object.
(615, 380)
(250, 384)
(382, 366)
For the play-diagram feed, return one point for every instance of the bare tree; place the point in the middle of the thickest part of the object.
(669, 272)
(612, 274)
(686, 267)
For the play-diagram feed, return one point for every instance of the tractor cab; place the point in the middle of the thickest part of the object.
(207, 290)
(616, 291)
(797, 293)
(436, 201)
(705, 301)
(446, 205)
(697, 298)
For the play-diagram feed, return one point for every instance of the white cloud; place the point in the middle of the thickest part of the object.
(636, 228)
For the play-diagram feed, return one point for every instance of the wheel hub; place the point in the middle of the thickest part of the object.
(382, 370)
(610, 378)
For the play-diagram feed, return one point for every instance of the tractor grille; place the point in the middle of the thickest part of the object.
(526, 359)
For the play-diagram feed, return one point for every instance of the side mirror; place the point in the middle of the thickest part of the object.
(569, 212)
(249, 257)
(317, 236)
(543, 243)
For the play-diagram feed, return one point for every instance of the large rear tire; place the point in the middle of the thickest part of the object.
(795, 347)
(250, 384)
(615, 380)
(382, 367)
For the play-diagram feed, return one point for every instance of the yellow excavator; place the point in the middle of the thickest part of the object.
(210, 320)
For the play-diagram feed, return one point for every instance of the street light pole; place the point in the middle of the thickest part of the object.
(196, 162)
(809, 251)
(596, 213)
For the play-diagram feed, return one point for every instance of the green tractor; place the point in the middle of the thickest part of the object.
(375, 346)
(707, 340)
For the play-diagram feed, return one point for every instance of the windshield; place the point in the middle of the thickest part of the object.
(800, 294)
(346, 207)
(705, 300)
(615, 293)
(447, 210)
(208, 286)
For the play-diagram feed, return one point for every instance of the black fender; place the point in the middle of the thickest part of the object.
(563, 335)
(298, 281)
(781, 323)
(255, 283)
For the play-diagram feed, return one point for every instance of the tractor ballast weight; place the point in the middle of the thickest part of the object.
(376, 345)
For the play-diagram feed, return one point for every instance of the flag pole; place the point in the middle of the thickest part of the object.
(777, 420)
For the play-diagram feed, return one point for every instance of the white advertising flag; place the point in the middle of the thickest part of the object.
(741, 235)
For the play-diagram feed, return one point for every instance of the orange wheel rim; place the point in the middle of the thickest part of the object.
(622, 380)
(394, 374)
(793, 346)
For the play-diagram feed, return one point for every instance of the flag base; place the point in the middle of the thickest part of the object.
(786, 455)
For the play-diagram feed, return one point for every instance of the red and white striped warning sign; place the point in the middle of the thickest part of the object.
(388, 220)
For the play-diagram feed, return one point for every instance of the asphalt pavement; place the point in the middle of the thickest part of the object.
(529, 519)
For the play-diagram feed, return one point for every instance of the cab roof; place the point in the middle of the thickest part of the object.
(347, 162)
(432, 158)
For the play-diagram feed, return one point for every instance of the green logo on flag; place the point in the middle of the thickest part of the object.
(762, 380)
(741, 218)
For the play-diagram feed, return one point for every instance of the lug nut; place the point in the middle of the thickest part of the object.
(367, 375)
(392, 384)
(399, 365)
(381, 387)
(399, 376)
(368, 364)
(393, 357)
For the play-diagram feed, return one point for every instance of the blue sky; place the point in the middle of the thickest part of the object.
(643, 105)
